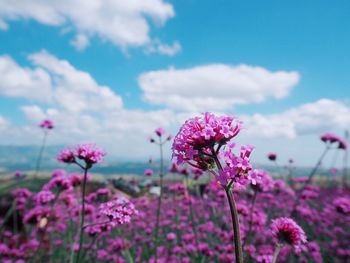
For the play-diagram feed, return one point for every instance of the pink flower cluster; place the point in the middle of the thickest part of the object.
(89, 153)
(200, 134)
(333, 138)
(119, 211)
(236, 167)
(286, 231)
(46, 124)
(342, 205)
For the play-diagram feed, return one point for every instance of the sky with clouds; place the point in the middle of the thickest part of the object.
(111, 71)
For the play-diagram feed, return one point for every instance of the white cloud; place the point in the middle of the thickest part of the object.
(164, 49)
(17, 81)
(80, 42)
(56, 82)
(215, 86)
(311, 118)
(123, 23)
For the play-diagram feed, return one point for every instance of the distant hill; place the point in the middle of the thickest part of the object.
(24, 158)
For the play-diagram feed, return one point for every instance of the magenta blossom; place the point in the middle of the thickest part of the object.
(66, 156)
(199, 135)
(160, 131)
(237, 167)
(286, 231)
(119, 211)
(342, 205)
(46, 124)
(89, 153)
(148, 172)
(333, 138)
(44, 197)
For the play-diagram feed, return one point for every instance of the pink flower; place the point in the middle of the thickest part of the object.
(46, 124)
(44, 197)
(286, 231)
(333, 138)
(66, 156)
(119, 211)
(342, 205)
(148, 172)
(160, 131)
(199, 134)
(264, 181)
(171, 237)
(89, 153)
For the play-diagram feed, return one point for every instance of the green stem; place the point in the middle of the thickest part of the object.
(38, 161)
(235, 226)
(250, 218)
(159, 199)
(276, 253)
(82, 219)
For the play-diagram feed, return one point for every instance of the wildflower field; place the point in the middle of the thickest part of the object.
(224, 209)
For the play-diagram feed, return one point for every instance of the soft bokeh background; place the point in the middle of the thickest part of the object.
(111, 71)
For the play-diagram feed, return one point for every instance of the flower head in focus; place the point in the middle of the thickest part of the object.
(198, 135)
(287, 232)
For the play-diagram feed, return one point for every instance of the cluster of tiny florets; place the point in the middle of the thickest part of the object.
(89, 153)
(199, 134)
(119, 211)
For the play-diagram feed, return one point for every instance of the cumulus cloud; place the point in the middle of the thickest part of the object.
(215, 86)
(17, 81)
(311, 118)
(56, 82)
(123, 23)
(82, 110)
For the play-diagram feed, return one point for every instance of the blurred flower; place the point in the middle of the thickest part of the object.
(342, 205)
(119, 211)
(44, 197)
(66, 156)
(148, 172)
(46, 124)
(160, 131)
(286, 231)
(272, 156)
(333, 138)
(89, 153)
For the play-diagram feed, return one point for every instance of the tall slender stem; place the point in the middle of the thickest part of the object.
(38, 161)
(309, 179)
(82, 218)
(276, 253)
(251, 217)
(161, 168)
(194, 229)
(235, 225)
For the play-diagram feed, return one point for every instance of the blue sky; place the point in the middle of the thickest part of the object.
(311, 38)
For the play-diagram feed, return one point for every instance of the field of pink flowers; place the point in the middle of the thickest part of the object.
(241, 215)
